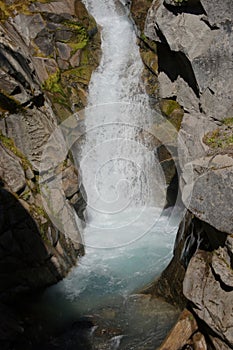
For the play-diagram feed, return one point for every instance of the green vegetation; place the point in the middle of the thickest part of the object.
(40, 216)
(222, 137)
(228, 121)
(172, 111)
(52, 84)
(81, 37)
(180, 2)
(9, 143)
(17, 6)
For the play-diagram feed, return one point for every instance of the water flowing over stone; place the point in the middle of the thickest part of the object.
(119, 171)
(128, 236)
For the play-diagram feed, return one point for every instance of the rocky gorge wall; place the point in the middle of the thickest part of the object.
(193, 43)
(47, 53)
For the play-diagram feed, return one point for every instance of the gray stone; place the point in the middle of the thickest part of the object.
(11, 170)
(209, 52)
(28, 25)
(33, 252)
(63, 35)
(195, 67)
(218, 11)
(229, 245)
(70, 181)
(45, 42)
(64, 50)
(58, 7)
(208, 190)
(63, 65)
(221, 264)
(44, 67)
(30, 131)
(213, 304)
(219, 344)
(75, 59)
(199, 342)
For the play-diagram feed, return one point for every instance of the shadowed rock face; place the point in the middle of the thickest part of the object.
(47, 53)
(26, 258)
(44, 47)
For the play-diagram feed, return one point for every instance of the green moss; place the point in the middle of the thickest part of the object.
(168, 106)
(85, 57)
(26, 195)
(80, 74)
(52, 84)
(172, 111)
(81, 37)
(220, 138)
(150, 59)
(228, 121)
(39, 213)
(147, 43)
(9, 143)
(77, 46)
(180, 2)
(191, 317)
(4, 12)
(18, 6)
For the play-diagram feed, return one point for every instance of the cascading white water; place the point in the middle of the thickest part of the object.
(119, 173)
(128, 236)
(128, 240)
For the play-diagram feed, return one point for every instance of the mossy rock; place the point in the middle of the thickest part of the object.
(80, 39)
(150, 81)
(9, 143)
(221, 139)
(52, 84)
(15, 7)
(150, 59)
(77, 75)
(172, 111)
(139, 9)
(84, 17)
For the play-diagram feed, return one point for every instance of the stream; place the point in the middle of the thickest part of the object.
(128, 236)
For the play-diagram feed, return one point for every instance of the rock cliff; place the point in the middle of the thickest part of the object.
(193, 43)
(47, 52)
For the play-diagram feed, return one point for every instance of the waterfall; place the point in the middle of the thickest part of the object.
(119, 170)
(128, 237)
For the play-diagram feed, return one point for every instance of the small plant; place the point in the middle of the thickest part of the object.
(221, 138)
(228, 121)
(9, 144)
(180, 2)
